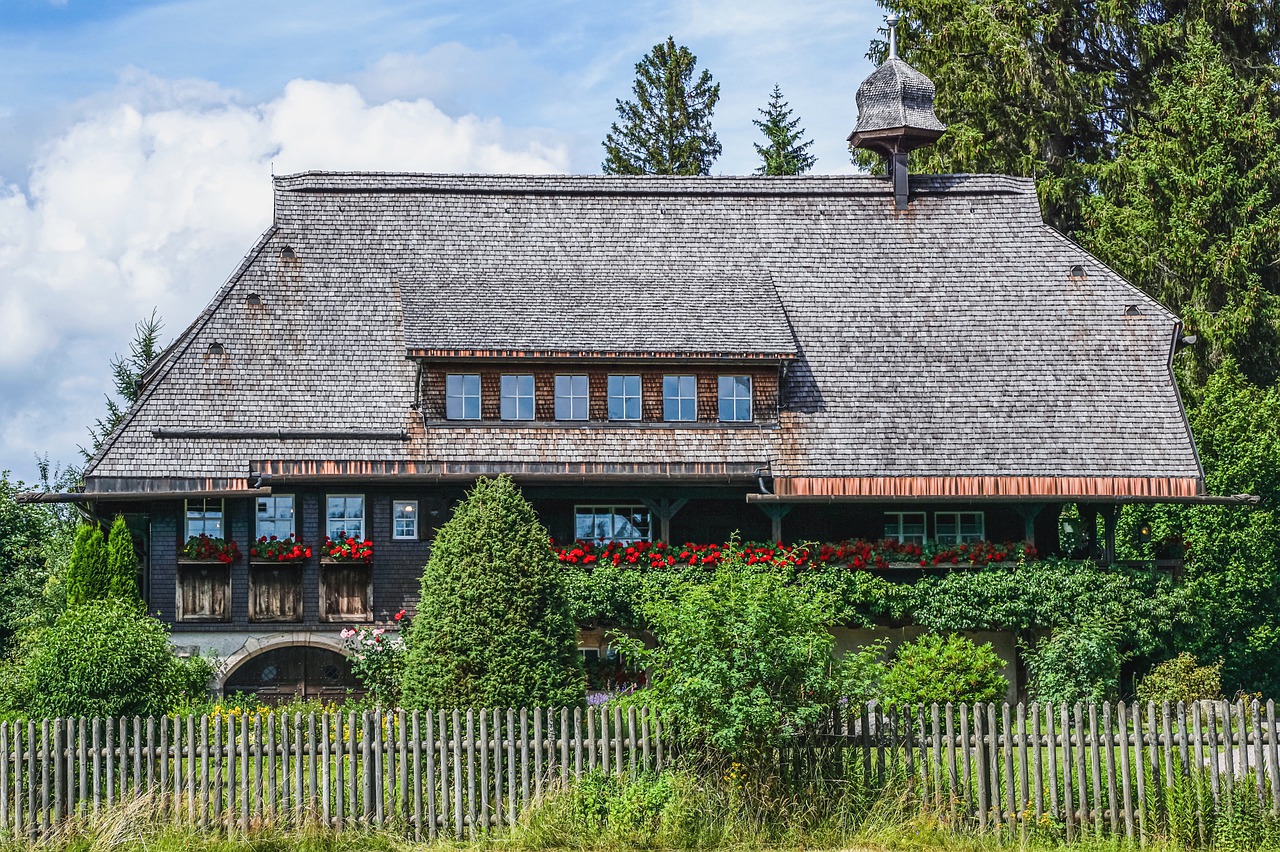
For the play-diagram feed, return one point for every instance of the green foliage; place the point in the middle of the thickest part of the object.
(127, 372)
(87, 569)
(31, 539)
(1228, 601)
(121, 580)
(103, 658)
(1047, 90)
(742, 661)
(1079, 663)
(666, 130)
(1052, 593)
(493, 626)
(784, 152)
(1181, 679)
(377, 660)
(1189, 210)
(937, 668)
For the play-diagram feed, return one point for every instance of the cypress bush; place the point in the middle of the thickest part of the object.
(121, 577)
(87, 568)
(493, 626)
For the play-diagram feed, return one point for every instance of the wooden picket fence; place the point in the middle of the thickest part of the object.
(1128, 770)
(428, 774)
(1081, 771)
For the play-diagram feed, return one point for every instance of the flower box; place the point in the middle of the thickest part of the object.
(350, 550)
(271, 550)
(202, 548)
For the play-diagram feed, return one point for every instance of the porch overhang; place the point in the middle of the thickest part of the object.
(1011, 489)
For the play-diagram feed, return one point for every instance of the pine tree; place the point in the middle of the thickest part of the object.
(121, 578)
(87, 567)
(784, 153)
(666, 130)
(127, 372)
(493, 627)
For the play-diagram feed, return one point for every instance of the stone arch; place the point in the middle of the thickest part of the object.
(256, 646)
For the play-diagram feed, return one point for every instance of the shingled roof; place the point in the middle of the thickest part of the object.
(947, 344)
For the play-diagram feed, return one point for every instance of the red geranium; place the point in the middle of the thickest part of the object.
(272, 549)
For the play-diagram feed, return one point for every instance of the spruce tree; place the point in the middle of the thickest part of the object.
(87, 567)
(493, 627)
(1189, 210)
(784, 153)
(666, 130)
(127, 372)
(121, 578)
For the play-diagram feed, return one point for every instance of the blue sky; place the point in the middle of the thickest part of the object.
(137, 137)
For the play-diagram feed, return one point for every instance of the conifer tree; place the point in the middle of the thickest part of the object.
(784, 153)
(666, 130)
(1189, 210)
(87, 567)
(493, 627)
(121, 578)
(127, 372)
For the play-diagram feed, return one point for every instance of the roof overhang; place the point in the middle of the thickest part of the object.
(1202, 499)
(1009, 489)
(599, 354)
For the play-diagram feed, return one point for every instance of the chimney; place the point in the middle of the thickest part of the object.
(895, 115)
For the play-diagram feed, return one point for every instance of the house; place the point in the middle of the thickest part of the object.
(808, 358)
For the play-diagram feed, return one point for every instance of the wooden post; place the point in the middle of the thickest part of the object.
(776, 512)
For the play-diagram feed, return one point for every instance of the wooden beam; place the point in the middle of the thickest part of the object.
(1029, 511)
(664, 509)
(776, 512)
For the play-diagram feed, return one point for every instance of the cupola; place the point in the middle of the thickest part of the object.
(895, 114)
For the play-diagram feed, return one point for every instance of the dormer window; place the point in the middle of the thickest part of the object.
(680, 398)
(462, 397)
(624, 397)
(735, 399)
(517, 397)
(571, 397)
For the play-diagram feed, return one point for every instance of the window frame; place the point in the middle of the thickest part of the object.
(328, 519)
(624, 396)
(204, 501)
(570, 397)
(461, 397)
(396, 519)
(734, 399)
(959, 536)
(679, 398)
(517, 397)
(900, 522)
(612, 509)
(293, 516)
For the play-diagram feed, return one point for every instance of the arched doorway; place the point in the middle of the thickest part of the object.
(293, 671)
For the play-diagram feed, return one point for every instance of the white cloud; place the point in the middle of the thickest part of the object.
(152, 197)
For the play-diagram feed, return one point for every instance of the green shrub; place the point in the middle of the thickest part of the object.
(103, 658)
(1081, 663)
(743, 659)
(121, 577)
(936, 668)
(493, 626)
(1181, 679)
(87, 567)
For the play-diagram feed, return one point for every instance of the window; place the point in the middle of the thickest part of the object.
(517, 397)
(344, 516)
(611, 523)
(275, 516)
(904, 527)
(624, 397)
(958, 527)
(735, 398)
(571, 397)
(462, 397)
(404, 520)
(679, 398)
(204, 517)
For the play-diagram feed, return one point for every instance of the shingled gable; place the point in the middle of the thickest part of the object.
(943, 350)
